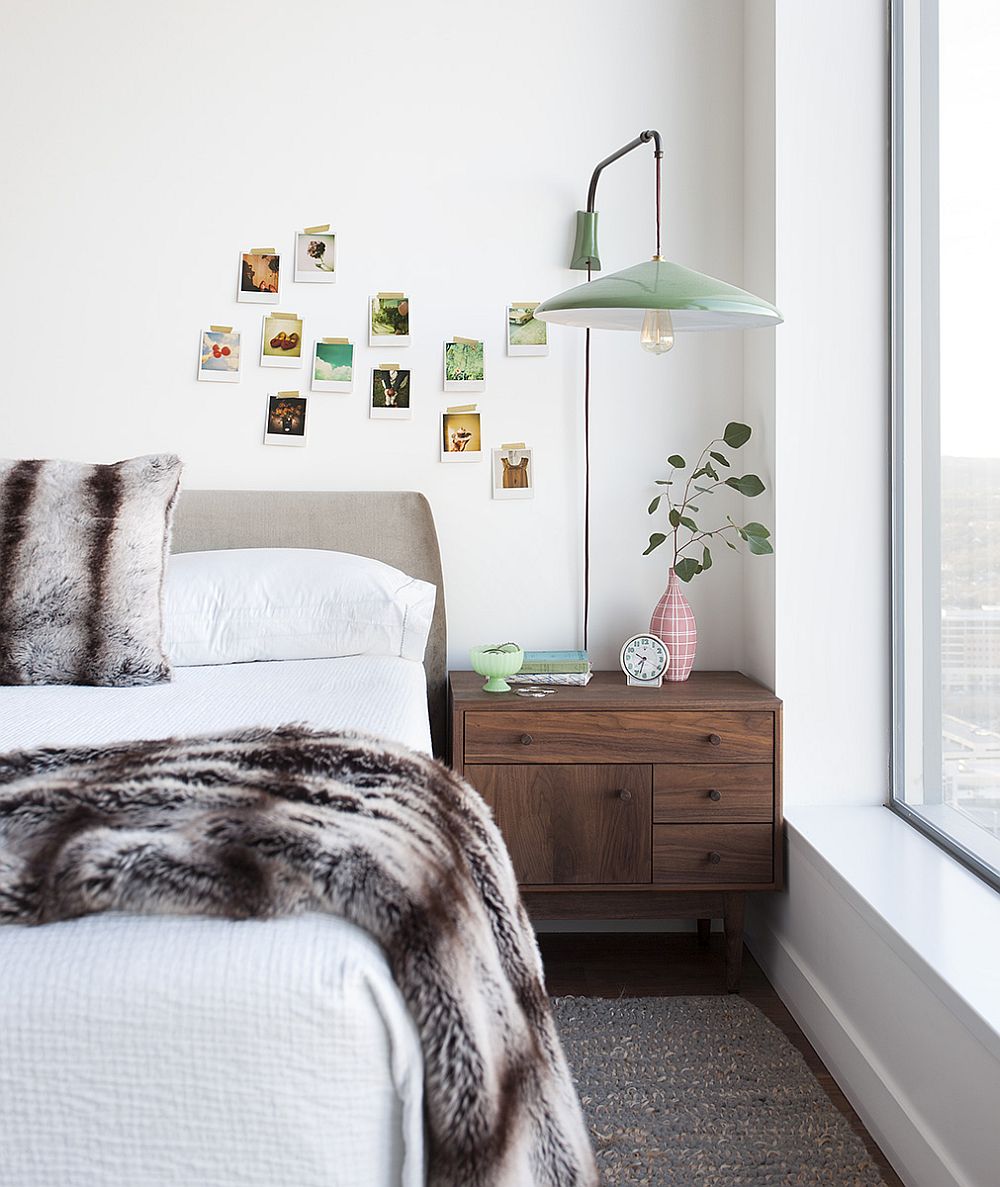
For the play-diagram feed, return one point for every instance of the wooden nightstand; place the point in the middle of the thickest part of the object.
(631, 803)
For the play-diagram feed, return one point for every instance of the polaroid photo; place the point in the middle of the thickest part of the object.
(461, 437)
(389, 320)
(464, 365)
(286, 419)
(315, 257)
(390, 394)
(333, 365)
(281, 340)
(219, 358)
(526, 335)
(513, 472)
(260, 271)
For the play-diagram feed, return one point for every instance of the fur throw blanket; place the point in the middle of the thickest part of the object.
(261, 823)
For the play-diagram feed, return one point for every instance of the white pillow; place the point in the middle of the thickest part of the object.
(238, 605)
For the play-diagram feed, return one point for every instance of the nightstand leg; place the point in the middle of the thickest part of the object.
(704, 932)
(732, 905)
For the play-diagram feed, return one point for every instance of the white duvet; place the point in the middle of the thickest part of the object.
(147, 1051)
(384, 695)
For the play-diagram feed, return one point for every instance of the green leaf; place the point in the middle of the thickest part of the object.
(664, 482)
(712, 472)
(655, 540)
(718, 457)
(687, 522)
(675, 517)
(704, 490)
(758, 546)
(690, 506)
(686, 568)
(706, 560)
(676, 461)
(730, 544)
(736, 434)
(749, 485)
(756, 529)
(652, 506)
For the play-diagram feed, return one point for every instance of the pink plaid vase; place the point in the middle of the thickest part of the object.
(673, 622)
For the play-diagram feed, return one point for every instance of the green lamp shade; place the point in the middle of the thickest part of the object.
(696, 301)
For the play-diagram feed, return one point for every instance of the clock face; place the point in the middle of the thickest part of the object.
(644, 657)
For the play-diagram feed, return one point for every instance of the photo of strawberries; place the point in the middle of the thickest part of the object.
(220, 355)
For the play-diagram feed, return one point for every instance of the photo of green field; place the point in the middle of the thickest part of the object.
(463, 362)
(523, 328)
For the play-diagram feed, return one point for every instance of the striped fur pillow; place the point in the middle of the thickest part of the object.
(82, 555)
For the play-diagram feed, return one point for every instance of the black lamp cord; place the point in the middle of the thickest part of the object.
(586, 472)
(643, 138)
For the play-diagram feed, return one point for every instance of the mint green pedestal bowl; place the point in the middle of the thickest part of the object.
(495, 661)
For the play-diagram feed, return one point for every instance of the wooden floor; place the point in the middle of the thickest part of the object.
(656, 965)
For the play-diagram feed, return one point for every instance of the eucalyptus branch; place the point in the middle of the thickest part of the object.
(754, 535)
(700, 463)
(666, 489)
(682, 507)
(729, 527)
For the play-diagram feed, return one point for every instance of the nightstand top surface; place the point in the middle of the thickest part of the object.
(608, 690)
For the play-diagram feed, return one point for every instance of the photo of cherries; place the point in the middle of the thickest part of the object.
(220, 351)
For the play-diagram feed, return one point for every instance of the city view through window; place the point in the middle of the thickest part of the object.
(970, 637)
(969, 108)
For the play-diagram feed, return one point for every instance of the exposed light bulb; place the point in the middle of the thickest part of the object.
(657, 333)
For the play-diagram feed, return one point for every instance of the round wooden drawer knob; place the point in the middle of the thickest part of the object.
(526, 739)
(715, 858)
(715, 795)
(624, 794)
(715, 739)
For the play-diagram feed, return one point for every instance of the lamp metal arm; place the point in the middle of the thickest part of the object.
(642, 138)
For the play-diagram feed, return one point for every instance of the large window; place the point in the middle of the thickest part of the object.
(946, 380)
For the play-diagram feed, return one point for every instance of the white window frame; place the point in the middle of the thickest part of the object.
(916, 790)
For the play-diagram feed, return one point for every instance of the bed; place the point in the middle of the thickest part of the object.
(212, 1051)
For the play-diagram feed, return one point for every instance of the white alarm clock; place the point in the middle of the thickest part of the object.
(644, 658)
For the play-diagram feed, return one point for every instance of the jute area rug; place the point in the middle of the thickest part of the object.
(703, 1091)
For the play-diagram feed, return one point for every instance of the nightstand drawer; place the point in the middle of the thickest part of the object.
(647, 735)
(571, 824)
(692, 792)
(720, 853)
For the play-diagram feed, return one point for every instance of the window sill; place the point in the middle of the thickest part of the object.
(936, 915)
(980, 845)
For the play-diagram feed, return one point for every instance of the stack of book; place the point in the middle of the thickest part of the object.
(553, 667)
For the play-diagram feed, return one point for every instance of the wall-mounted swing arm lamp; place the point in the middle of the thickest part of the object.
(656, 298)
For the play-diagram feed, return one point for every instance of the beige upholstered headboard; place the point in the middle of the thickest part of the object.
(396, 527)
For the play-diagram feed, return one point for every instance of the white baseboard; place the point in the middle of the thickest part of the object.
(907, 1139)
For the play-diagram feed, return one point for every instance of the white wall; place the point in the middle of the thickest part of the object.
(759, 244)
(815, 624)
(449, 145)
(831, 391)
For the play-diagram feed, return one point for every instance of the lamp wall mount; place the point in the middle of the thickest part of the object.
(586, 256)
